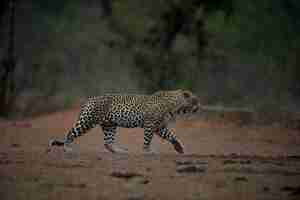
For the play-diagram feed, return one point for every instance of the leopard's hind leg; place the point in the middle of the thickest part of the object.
(85, 122)
(109, 140)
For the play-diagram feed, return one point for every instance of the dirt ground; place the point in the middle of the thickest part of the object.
(222, 161)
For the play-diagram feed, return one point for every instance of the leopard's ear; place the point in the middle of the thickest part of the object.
(186, 94)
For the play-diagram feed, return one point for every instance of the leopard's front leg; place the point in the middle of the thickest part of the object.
(170, 136)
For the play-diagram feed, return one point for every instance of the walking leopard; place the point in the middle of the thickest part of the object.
(150, 112)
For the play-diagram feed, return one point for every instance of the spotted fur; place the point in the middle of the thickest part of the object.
(151, 112)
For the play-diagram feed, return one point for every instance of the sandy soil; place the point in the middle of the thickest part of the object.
(222, 161)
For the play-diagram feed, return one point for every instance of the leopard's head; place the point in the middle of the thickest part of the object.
(184, 100)
(188, 103)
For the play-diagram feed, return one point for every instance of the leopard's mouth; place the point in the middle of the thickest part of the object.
(195, 109)
(188, 110)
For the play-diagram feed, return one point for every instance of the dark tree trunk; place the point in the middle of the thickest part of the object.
(173, 21)
(106, 7)
(8, 64)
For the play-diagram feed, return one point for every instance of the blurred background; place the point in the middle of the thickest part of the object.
(231, 53)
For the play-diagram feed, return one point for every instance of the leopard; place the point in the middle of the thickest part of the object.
(152, 112)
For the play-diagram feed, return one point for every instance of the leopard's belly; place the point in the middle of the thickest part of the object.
(127, 119)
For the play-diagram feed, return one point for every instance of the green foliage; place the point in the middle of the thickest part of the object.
(68, 101)
(229, 52)
(259, 41)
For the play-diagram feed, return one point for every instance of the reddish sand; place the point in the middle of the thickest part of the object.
(221, 161)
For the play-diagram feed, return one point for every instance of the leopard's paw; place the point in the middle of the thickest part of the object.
(150, 151)
(70, 152)
(178, 146)
(116, 149)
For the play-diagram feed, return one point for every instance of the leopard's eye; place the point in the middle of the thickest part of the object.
(187, 94)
